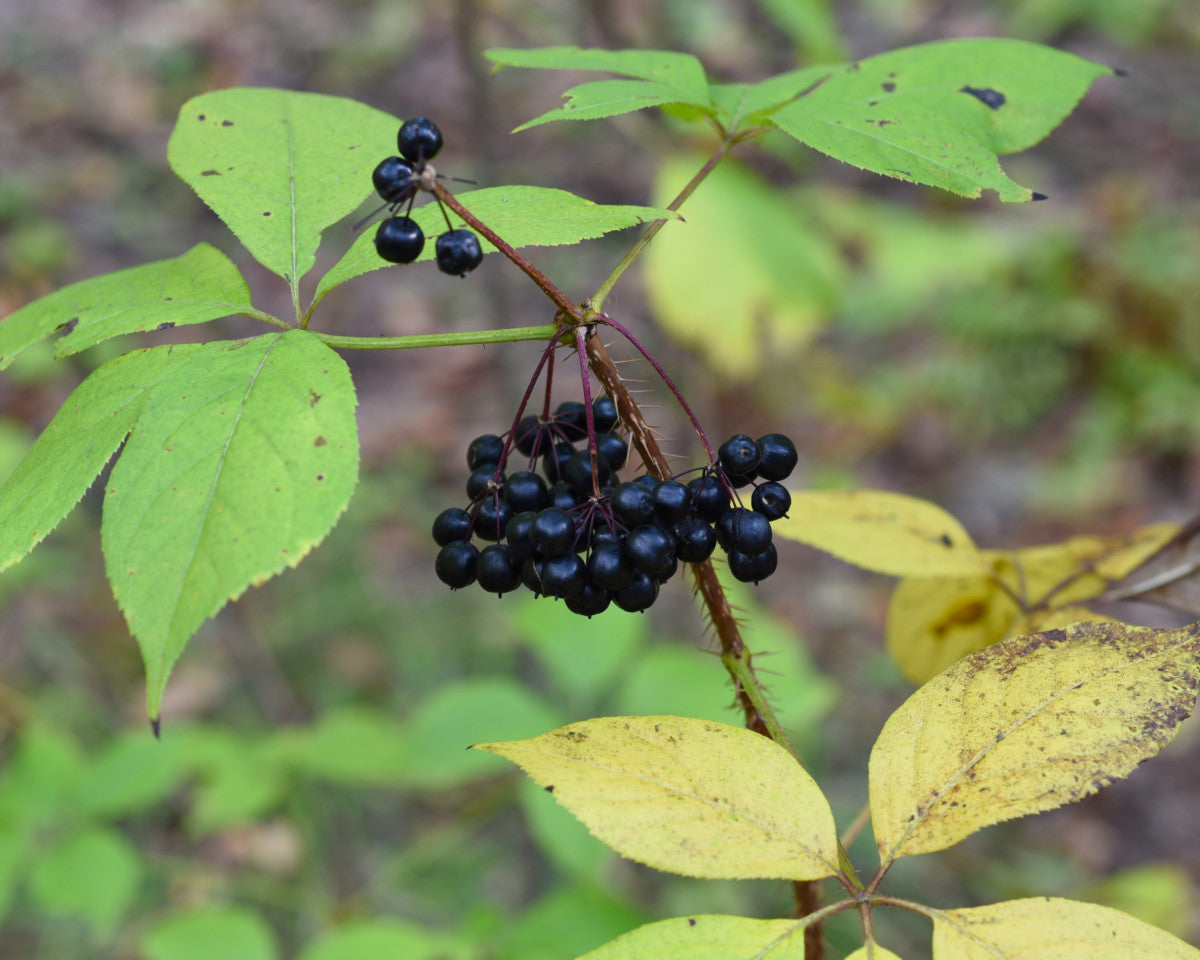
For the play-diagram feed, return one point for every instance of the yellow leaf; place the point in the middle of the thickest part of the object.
(882, 531)
(872, 951)
(707, 937)
(935, 621)
(1026, 725)
(689, 796)
(1042, 928)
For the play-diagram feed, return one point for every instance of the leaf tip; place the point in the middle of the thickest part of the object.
(1038, 196)
(156, 727)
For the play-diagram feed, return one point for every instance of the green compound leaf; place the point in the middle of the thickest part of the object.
(279, 166)
(941, 113)
(708, 937)
(244, 458)
(200, 285)
(737, 102)
(64, 460)
(521, 216)
(663, 78)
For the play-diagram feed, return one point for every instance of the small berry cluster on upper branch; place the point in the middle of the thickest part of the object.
(575, 532)
(399, 239)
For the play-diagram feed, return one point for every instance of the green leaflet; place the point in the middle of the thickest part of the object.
(662, 77)
(280, 166)
(522, 216)
(198, 933)
(941, 113)
(85, 432)
(200, 285)
(93, 876)
(244, 458)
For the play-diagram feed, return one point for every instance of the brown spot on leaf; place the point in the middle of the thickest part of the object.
(550, 788)
(314, 397)
(69, 325)
(210, 173)
(320, 442)
(227, 123)
(691, 921)
(165, 326)
(888, 86)
(993, 99)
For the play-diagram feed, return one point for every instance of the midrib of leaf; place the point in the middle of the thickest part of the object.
(842, 128)
(212, 490)
(695, 796)
(293, 279)
(1004, 735)
(799, 927)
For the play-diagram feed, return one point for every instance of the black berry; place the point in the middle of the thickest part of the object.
(456, 563)
(739, 455)
(633, 504)
(525, 490)
(399, 240)
(394, 180)
(753, 568)
(564, 575)
(451, 524)
(419, 140)
(771, 499)
(613, 449)
(652, 550)
(672, 501)
(743, 531)
(695, 540)
(609, 568)
(552, 532)
(497, 570)
(485, 449)
(639, 595)
(604, 414)
(458, 252)
(493, 516)
(590, 601)
(777, 457)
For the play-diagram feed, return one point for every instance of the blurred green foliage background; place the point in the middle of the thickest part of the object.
(1034, 369)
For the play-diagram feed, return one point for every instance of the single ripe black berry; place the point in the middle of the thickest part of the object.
(563, 497)
(771, 499)
(563, 575)
(481, 480)
(458, 252)
(614, 449)
(604, 414)
(399, 240)
(752, 568)
(497, 570)
(578, 472)
(484, 449)
(710, 499)
(590, 601)
(394, 180)
(777, 457)
(672, 501)
(516, 532)
(743, 531)
(492, 518)
(633, 504)
(571, 416)
(739, 455)
(419, 140)
(456, 564)
(552, 532)
(608, 567)
(525, 490)
(695, 540)
(639, 595)
(652, 550)
(451, 524)
(554, 463)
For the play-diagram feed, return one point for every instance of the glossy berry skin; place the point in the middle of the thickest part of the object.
(525, 490)
(694, 540)
(456, 564)
(639, 595)
(578, 472)
(590, 601)
(394, 180)
(652, 550)
(480, 480)
(777, 457)
(710, 500)
(484, 449)
(672, 501)
(563, 497)
(613, 449)
(739, 455)
(419, 140)
(554, 463)
(604, 414)
(752, 568)
(497, 570)
(552, 532)
(563, 576)
(633, 504)
(451, 524)
(458, 252)
(771, 499)
(399, 240)
(608, 567)
(492, 518)
(744, 531)
(571, 416)
(516, 533)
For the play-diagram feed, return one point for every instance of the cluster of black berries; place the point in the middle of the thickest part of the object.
(399, 239)
(575, 532)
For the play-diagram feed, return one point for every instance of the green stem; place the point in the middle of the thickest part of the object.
(597, 302)
(509, 335)
(265, 317)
